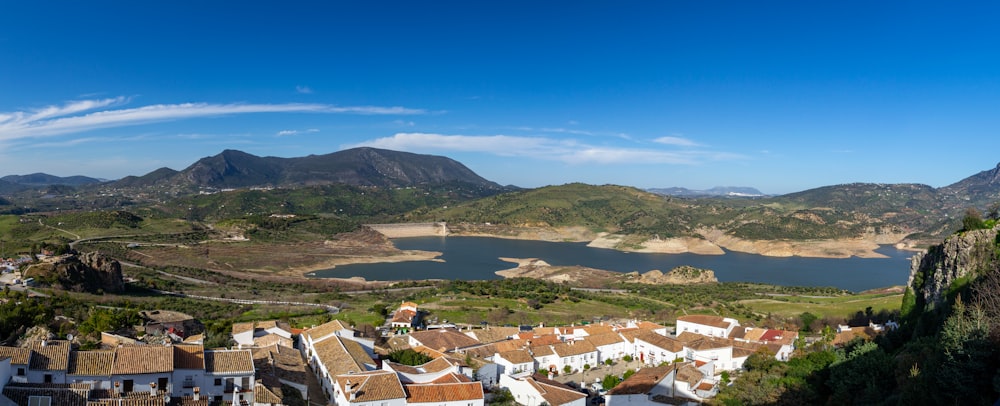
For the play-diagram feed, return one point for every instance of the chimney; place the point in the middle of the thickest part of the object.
(197, 393)
(152, 389)
(45, 343)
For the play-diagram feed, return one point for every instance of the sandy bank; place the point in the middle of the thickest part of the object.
(334, 261)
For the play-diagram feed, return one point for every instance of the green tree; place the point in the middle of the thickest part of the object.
(610, 381)
(973, 220)
(409, 357)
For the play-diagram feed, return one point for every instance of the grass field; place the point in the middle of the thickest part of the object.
(841, 306)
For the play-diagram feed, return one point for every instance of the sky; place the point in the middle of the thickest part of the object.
(782, 96)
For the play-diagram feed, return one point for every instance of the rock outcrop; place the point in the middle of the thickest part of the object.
(962, 256)
(682, 275)
(90, 272)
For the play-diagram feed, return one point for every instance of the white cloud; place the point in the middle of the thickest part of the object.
(542, 148)
(303, 89)
(70, 118)
(285, 133)
(677, 141)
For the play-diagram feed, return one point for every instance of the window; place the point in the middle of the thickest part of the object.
(218, 381)
(245, 384)
(39, 401)
(20, 372)
(47, 378)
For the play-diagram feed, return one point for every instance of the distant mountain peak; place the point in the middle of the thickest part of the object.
(364, 166)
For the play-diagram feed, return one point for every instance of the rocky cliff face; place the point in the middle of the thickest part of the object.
(90, 272)
(961, 256)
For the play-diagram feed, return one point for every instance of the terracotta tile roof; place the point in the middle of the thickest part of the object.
(92, 363)
(408, 304)
(189, 356)
(629, 334)
(542, 351)
(269, 394)
(403, 316)
(429, 352)
(242, 327)
(326, 329)
(144, 359)
(517, 357)
(599, 340)
(688, 373)
(754, 334)
(548, 339)
(189, 401)
(443, 339)
(663, 342)
(688, 336)
(228, 361)
(647, 325)
(50, 355)
(554, 392)
(334, 355)
(642, 381)
(452, 378)
(705, 386)
(371, 386)
(61, 396)
(195, 339)
(510, 345)
(494, 334)
(441, 393)
(742, 352)
(572, 348)
(281, 362)
(598, 329)
(707, 343)
(272, 339)
(705, 320)
(17, 355)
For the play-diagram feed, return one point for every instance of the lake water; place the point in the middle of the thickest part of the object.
(477, 258)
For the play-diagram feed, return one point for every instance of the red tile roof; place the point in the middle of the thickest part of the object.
(440, 393)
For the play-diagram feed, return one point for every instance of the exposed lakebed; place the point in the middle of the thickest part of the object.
(477, 258)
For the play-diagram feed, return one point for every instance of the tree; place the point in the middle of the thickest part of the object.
(409, 357)
(567, 369)
(610, 381)
(973, 220)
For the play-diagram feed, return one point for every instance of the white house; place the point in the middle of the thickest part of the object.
(18, 362)
(575, 354)
(706, 325)
(270, 331)
(49, 361)
(381, 388)
(515, 362)
(535, 390)
(609, 345)
(232, 375)
(653, 349)
(189, 370)
(679, 383)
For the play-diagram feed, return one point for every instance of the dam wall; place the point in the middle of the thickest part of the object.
(411, 229)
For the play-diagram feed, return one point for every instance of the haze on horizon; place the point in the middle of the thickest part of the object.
(781, 96)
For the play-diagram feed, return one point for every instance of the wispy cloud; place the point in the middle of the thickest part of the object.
(676, 141)
(543, 148)
(285, 133)
(303, 89)
(73, 117)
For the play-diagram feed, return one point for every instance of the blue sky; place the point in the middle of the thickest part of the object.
(782, 96)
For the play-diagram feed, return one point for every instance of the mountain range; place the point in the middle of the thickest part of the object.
(917, 209)
(358, 167)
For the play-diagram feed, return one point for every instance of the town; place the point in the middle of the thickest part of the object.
(270, 363)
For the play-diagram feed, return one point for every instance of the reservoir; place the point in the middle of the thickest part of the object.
(477, 258)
